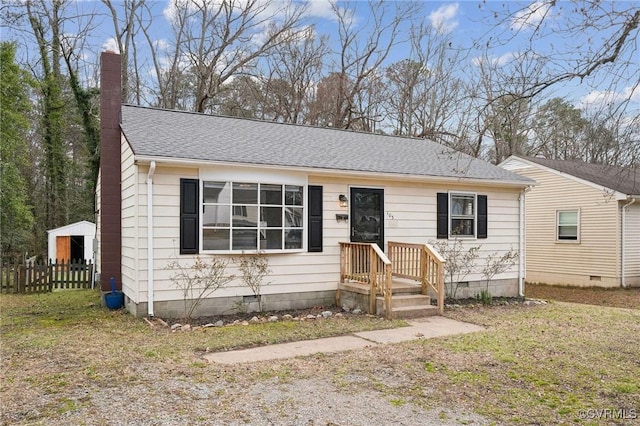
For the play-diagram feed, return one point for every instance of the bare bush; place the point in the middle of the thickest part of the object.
(199, 280)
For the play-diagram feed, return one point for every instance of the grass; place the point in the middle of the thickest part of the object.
(533, 365)
(614, 297)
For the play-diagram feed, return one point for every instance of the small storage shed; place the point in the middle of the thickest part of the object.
(72, 242)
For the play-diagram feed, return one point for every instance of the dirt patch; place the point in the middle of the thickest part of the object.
(614, 297)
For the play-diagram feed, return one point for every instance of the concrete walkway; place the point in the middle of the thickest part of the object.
(418, 329)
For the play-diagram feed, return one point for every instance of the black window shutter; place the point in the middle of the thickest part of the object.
(189, 225)
(314, 243)
(482, 216)
(443, 215)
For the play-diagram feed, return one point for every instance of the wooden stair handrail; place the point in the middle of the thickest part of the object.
(367, 263)
(422, 263)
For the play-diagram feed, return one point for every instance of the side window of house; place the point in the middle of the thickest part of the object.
(568, 222)
(461, 215)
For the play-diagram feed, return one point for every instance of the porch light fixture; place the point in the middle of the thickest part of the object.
(344, 202)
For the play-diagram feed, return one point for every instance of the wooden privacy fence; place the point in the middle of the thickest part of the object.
(34, 277)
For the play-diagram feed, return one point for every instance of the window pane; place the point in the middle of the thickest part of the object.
(568, 218)
(216, 216)
(215, 239)
(247, 216)
(271, 239)
(216, 192)
(462, 205)
(462, 227)
(293, 239)
(271, 216)
(293, 217)
(293, 195)
(245, 239)
(245, 193)
(568, 232)
(271, 194)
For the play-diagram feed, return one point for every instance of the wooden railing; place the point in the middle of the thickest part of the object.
(366, 263)
(422, 263)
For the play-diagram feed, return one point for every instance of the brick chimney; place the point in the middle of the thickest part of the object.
(110, 171)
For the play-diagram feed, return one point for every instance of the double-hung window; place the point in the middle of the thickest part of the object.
(240, 216)
(463, 215)
(567, 227)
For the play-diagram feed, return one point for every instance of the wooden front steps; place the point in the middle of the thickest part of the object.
(408, 306)
(406, 300)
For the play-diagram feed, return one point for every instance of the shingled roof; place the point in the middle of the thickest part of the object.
(621, 179)
(157, 133)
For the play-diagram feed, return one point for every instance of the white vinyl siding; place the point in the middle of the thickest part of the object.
(410, 216)
(129, 220)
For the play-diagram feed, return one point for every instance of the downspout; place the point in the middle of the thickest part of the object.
(624, 227)
(152, 169)
(521, 242)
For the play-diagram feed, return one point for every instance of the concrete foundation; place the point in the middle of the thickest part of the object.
(237, 304)
(497, 288)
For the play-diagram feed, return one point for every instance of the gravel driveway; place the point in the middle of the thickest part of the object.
(316, 390)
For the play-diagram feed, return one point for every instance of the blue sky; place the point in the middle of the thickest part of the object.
(464, 21)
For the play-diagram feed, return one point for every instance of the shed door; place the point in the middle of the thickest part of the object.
(63, 248)
(367, 216)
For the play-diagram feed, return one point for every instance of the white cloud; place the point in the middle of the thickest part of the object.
(530, 16)
(600, 98)
(110, 45)
(494, 60)
(171, 11)
(320, 9)
(444, 19)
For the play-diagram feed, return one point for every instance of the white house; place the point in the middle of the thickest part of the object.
(72, 242)
(189, 184)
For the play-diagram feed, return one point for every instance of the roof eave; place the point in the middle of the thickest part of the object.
(145, 159)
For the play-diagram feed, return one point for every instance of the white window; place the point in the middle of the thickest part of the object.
(240, 216)
(568, 225)
(462, 214)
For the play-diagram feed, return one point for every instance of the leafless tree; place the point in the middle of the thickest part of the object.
(362, 51)
(216, 41)
(610, 29)
(424, 92)
(292, 70)
(125, 29)
(504, 111)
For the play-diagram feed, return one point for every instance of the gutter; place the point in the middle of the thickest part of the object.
(461, 180)
(521, 242)
(152, 170)
(622, 251)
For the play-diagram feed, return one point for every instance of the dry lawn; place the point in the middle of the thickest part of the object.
(66, 360)
(615, 297)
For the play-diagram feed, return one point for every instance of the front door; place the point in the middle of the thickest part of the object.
(367, 216)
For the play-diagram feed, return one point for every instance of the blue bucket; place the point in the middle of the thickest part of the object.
(115, 299)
